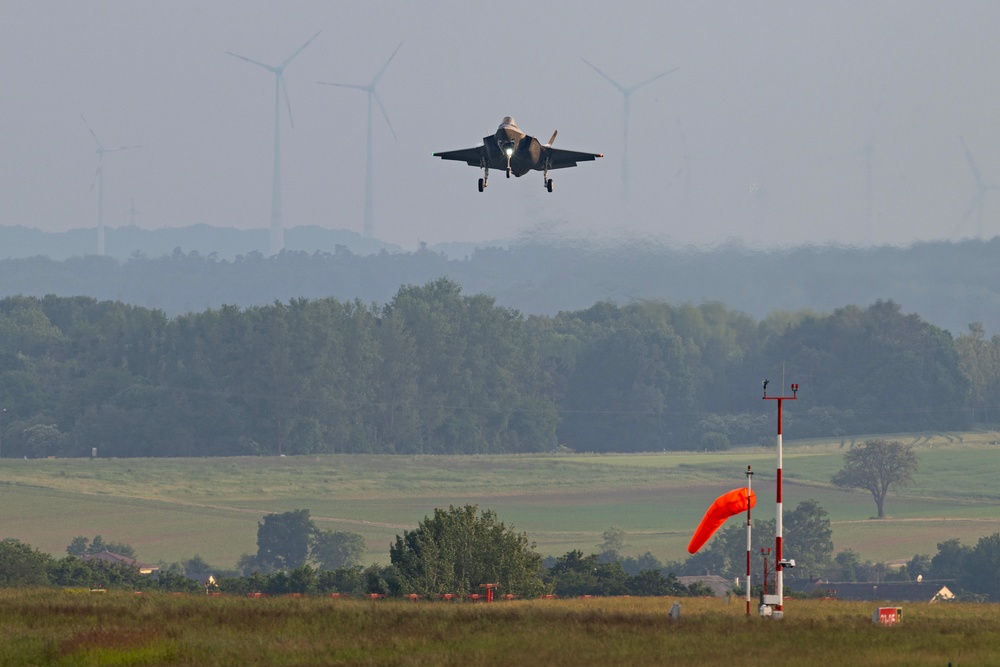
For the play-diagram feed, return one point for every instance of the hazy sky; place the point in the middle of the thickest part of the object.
(760, 135)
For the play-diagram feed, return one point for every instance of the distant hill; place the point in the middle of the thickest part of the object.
(224, 242)
(950, 284)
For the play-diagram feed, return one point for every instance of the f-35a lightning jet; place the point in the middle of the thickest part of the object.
(513, 150)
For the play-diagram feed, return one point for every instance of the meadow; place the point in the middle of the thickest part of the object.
(49, 627)
(172, 509)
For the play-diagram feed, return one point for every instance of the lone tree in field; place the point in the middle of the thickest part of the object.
(875, 466)
(283, 540)
(458, 549)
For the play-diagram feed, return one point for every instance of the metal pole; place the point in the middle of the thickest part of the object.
(778, 560)
(779, 588)
(749, 474)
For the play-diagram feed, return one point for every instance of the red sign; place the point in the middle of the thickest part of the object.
(888, 615)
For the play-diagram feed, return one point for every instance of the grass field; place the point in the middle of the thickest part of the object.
(172, 509)
(42, 628)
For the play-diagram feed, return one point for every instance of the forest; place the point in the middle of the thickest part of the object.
(951, 284)
(437, 371)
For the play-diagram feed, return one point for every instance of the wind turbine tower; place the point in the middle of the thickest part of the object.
(369, 229)
(276, 237)
(101, 150)
(867, 151)
(627, 112)
(978, 201)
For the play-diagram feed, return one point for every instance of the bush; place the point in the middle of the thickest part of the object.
(715, 441)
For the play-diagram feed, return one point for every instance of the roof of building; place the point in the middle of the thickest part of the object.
(927, 590)
(118, 559)
(720, 585)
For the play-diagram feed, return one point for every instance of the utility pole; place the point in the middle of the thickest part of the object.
(749, 475)
(779, 563)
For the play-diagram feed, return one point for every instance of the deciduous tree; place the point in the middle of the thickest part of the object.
(876, 466)
(283, 540)
(612, 544)
(458, 549)
(20, 565)
(808, 537)
(333, 549)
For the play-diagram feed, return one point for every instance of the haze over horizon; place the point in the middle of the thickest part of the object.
(764, 134)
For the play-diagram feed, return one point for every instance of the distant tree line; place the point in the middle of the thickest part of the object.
(458, 549)
(454, 552)
(949, 283)
(435, 371)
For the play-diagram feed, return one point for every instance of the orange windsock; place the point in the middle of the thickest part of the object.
(725, 506)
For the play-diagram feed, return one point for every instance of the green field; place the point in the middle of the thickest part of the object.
(42, 628)
(172, 509)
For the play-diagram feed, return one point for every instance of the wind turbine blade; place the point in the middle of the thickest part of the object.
(972, 163)
(269, 68)
(385, 66)
(612, 81)
(382, 107)
(288, 103)
(343, 85)
(651, 80)
(92, 133)
(301, 48)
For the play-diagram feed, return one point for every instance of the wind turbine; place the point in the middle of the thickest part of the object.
(626, 95)
(276, 238)
(867, 150)
(101, 150)
(369, 229)
(978, 200)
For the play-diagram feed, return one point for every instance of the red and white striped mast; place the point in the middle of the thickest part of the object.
(749, 474)
(779, 562)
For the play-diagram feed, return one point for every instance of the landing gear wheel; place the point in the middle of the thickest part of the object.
(482, 185)
(548, 185)
(508, 172)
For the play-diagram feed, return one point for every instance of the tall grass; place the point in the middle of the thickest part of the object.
(55, 628)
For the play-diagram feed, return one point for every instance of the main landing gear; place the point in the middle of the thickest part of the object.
(484, 181)
(545, 174)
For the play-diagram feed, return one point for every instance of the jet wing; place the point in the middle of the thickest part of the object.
(559, 158)
(471, 156)
(488, 151)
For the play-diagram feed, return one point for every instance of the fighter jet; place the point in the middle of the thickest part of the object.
(513, 150)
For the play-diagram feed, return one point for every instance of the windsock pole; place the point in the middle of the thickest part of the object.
(749, 474)
(778, 561)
